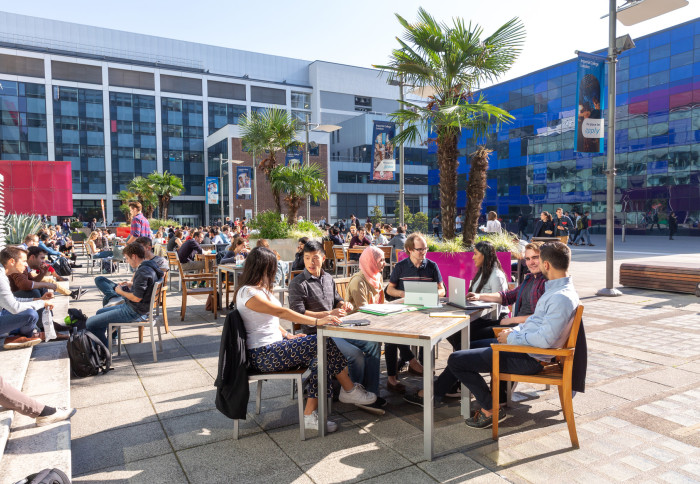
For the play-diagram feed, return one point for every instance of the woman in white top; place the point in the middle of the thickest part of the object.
(493, 225)
(271, 348)
(489, 278)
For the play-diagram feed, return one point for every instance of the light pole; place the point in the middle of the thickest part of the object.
(223, 161)
(632, 12)
(255, 187)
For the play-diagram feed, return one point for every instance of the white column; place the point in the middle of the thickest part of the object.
(205, 132)
(159, 124)
(109, 204)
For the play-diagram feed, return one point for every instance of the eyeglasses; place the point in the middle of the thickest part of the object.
(420, 249)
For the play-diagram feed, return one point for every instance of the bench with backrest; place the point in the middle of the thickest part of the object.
(661, 276)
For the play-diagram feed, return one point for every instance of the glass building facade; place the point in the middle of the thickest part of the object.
(23, 121)
(183, 142)
(533, 166)
(221, 114)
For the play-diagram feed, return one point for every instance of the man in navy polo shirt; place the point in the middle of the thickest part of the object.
(415, 268)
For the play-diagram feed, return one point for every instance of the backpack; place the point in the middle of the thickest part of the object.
(579, 223)
(62, 267)
(88, 355)
(46, 476)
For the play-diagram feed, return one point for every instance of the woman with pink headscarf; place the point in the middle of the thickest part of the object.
(365, 287)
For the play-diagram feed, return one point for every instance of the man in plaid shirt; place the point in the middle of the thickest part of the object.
(139, 224)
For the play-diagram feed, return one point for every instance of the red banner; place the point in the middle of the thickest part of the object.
(38, 187)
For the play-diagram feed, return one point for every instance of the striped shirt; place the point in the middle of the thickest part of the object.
(140, 227)
(514, 296)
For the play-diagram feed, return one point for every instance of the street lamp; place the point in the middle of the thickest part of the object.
(325, 128)
(223, 161)
(632, 12)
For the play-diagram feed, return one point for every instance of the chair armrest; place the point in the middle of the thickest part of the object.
(497, 331)
(533, 349)
(200, 277)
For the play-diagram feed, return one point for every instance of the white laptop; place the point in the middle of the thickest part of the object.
(421, 293)
(458, 295)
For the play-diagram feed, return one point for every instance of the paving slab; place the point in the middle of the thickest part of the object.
(183, 402)
(196, 429)
(163, 469)
(109, 416)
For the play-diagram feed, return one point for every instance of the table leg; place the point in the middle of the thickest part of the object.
(322, 382)
(428, 417)
(220, 285)
(466, 394)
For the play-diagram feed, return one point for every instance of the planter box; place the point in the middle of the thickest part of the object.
(460, 264)
(287, 248)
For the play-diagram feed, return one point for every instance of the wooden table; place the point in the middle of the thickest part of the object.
(209, 261)
(414, 329)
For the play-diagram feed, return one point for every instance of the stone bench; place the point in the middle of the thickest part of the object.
(662, 277)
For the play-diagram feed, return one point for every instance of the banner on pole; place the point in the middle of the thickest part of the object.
(590, 126)
(383, 159)
(212, 190)
(104, 215)
(243, 176)
(294, 156)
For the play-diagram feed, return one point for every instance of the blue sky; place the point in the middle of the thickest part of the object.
(359, 33)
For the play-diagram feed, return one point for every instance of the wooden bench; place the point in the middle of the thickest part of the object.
(661, 277)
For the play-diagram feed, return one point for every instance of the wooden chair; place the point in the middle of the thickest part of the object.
(152, 321)
(342, 286)
(339, 260)
(354, 264)
(208, 277)
(387, 256)
(174, 271)
(558, 373)
(328, 250)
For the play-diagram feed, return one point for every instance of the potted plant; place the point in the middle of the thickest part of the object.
(282, 236)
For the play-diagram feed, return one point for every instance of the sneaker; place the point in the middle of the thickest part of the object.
(414, 398)
(481, 421)
(375, 408)
(15, 342)
(78, 293)
(61, 413)
(591, 245)
(311, 423)
(358, 395)
(115, 301)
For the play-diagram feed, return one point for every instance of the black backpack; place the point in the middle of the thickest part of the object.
(47, 476)
(62, 267)
(88, 355)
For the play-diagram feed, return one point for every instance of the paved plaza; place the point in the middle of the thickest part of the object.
(639, 419)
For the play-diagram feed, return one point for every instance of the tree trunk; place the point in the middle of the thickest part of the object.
(476, 190)
(164, 211)
(278, 202)
(293, 203)
(447, 163)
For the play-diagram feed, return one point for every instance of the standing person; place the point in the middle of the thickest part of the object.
(271, 348)
(544, 226)
(522, 226)
(92, 224)
(139, 224)
(436, 226)
(584, 232)
(578, 223)
(562, 226)
(493, 225)
(655, 221)
(672, 224)
(458, 224)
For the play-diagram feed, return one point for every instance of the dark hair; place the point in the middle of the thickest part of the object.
(547, 216)
(10, 253)
(196, 234)
(135, 205)
(135, 249)
(260, 269)
(557, 254)
(400, 230)
(303, 240)
(35, 251)
(335, 231)
(313, 246)
(144, 241)
(44, 236)
(178, 234)
(490, 262)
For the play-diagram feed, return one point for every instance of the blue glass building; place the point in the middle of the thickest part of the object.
(533, 166)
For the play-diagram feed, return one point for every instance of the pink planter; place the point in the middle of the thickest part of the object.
(460, 264)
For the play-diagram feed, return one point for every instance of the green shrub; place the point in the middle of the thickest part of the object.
(270, 225)
(18, 226)
(76, 225)
(420, 222)
(309, 229)
(503, 242)
(377, 215)
(157, 223)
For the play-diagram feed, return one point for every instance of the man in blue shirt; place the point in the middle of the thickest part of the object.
(548, 327)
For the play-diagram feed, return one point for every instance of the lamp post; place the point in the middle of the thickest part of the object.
(632, 12)
(223, 161)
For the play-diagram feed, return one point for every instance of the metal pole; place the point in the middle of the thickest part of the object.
(401, 161)
(609, 290)
(308, 161)
(221, 185)
(255, 187)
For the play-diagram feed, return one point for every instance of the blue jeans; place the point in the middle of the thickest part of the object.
(123, 313)
(106, 287)
(363, 361)
(466, 366)
(23, 322)
(580, 237)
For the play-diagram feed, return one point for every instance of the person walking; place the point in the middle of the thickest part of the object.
(584, 232)
(522, 227)
(672, 224)
(436, 226)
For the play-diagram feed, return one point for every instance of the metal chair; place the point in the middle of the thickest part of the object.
(153, 320)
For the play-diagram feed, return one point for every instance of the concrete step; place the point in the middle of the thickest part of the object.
(13, 368)
(30, 448)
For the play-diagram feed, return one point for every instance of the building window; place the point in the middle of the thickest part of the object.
(221, 114)
(23, 121)
(301, 100)
(363, 103)
(183, 142)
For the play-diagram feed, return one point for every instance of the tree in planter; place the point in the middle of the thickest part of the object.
(145, 193)
(450, 61)
(268, 132)
(165, 186)
(476, 190)
(377, 215)
(407, 215)
(420, 222)
(298, 181)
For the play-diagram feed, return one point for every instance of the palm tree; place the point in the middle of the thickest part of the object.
(298, 181)
(268, 132)
(165, 186)
(125, 197)
(450, 61)
(145, 194)
(476, 190)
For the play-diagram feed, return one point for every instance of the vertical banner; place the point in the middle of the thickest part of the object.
(243, 175)
(590, 127)
(294, 155)
(104, 215)
(383, 160)
(212, 190)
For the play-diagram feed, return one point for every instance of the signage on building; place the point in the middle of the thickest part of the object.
(383, 159)
(212, 190)
(243, 176)
(38, 187)
(590, 126)
(294, 156)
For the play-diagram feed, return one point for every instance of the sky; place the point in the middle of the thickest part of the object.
(361, 32)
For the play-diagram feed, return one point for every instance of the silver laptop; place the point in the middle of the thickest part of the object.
(458, 295)
(421, 293)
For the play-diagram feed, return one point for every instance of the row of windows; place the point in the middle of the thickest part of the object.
(362, 177)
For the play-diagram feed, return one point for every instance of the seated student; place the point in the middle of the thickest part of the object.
(31, 240)
(96, 253)
(187, 252)
(175, 241)
(298, 263)
(271, 348)
(19, 319)
(351, 233)
(398, 241)
(414, 268)
(369, 232)
(238, 247)
(547, 327)
(26, 285)
(335, 236)
(44, 242)
(524, 299)
(314, 294)
(360, 239)
(379, 238)
(137, 295)
(13, 399)
(282, 269)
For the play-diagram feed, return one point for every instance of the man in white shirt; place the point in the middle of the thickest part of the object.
(379, 238)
